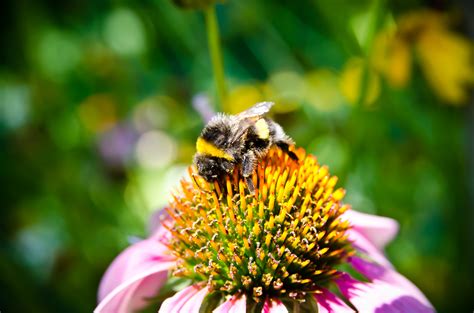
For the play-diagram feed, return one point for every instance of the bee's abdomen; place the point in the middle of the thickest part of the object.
(262, 129)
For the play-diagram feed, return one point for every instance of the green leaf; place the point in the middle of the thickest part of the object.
(210, 302)
(310, 305)
(346, 268)
(254, 307)
(294, 306)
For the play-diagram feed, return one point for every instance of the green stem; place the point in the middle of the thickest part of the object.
(296, 307)
(375, 23)
(215, 52)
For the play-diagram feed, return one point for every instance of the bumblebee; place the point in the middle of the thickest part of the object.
(241, 140)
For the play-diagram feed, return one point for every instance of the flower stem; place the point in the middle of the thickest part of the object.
(296, 307)
(215, 52)
(375, 23)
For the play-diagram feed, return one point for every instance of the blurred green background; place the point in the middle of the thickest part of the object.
(99, 112)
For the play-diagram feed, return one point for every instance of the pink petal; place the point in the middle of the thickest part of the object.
(236, 304)
(136, 259)
(156, 225)
(274, 306)
(194, 303)
(379, 230)
(379, 296)
(190, 298)
(374, 271)
(362, 244)
(126, 297)
(328, 302)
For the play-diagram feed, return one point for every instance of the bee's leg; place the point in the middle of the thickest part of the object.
(193, 176)
(248, 165)
(249, 182)
(286, 148)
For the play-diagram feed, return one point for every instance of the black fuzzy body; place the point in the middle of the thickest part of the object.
(245, 138)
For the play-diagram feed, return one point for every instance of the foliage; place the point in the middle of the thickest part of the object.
(99, 112)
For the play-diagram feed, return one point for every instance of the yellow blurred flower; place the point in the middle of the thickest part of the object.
(288, 89)
(351, 82)
(445, 57)
(446, 61)
(242, 97)
(392, 59)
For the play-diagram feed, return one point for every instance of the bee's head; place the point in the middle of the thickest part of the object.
(211, 168)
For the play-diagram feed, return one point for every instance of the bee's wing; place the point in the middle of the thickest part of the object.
(257, 110)
(247, 118)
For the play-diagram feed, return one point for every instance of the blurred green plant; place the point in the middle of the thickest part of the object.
(195, 4)
(97, 126)
(445, 57)
(213, 39)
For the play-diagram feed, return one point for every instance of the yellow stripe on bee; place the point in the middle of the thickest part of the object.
(262, 129)
(207, 148)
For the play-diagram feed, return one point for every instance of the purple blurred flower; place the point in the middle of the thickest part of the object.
(202, 104)
(116, 145)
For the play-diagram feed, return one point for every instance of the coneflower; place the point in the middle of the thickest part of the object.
(289, 246)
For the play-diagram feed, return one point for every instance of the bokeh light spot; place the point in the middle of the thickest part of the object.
(323, 91)
(287, 89)
(331, 150)
(14, 105)
(155, 149)
(124, 32)
(150, 114)
(58, 53)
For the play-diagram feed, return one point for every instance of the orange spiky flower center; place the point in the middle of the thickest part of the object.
(283, 240)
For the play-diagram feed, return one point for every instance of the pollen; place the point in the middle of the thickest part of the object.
(285, 239)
